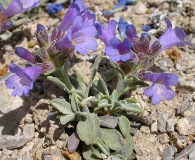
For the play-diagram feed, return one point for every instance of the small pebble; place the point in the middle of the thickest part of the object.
(7, 152)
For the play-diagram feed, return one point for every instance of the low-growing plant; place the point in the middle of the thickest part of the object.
(99, 112)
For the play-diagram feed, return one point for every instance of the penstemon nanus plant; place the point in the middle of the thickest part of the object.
(100, 113)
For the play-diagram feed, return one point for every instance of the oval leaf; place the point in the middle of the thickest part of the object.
(108, 121)
(127, 149)
(66, 118)
(89, 129)
(124, 126)
(117, 157)
(112, 138)
(104, 148)
(59, 83)
(61, 105)
(73, 142)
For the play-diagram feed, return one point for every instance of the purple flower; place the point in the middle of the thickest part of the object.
(15, 7)
(54, 8)
(42, 36)
(25, 54)
(119, 51)
(72, 12)
(18, 6)
(106, 34)
(161, 86)
(172, 37)
(23, 79)
(80, 36)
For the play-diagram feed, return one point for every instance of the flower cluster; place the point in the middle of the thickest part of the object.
(15, 7)
(73, 33)
(138, 54)
(133, 54)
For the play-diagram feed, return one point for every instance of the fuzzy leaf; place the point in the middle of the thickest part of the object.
(77, 82)
(131, 100)
(89, 129)
(114, 96)
(138, 84)
(61, 105)
(74, 102)
(127, 149)
(131, 108)
(117, 69)
(96, 152)
(117, 157)
(87, 152)
(103, 103)
(94, 71)
(112, 138)
(109, 75)
(59, 83)
(122, 85)
(67, 118)
(102, 87)
(108, 121)
(104, 148)
(124, 126)
(73, 142)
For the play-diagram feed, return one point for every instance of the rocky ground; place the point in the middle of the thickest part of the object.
(29, 129)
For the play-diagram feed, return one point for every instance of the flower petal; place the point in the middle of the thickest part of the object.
(25, 54)
(18, 6)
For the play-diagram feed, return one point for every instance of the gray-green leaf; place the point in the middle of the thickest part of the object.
(127, 149)
(59, 83)
(112, 138)
(67, 118)
(124, 126)
(61, 105)
(104, 148)
(89, 129)
(108, 121)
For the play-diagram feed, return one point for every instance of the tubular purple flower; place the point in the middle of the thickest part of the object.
(69, 17)
(119, 51)
(42, 36)
(142, 44)
(18, 6)
(78, 36)
(131, 32)
(161, 86)
(172, 37)
(25, 54)
(40, 28)
(106, 34)
(22, 81)
(80, 4)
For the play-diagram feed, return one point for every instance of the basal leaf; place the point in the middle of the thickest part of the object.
(61, 105)
(104, 148)
(73, 142)
(112, 138)
(59, 83)
(124, 126)
(108, 121)
(89, 129)
(67, 118)
(127, 149)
